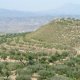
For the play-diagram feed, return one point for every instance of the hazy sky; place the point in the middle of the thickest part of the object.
(35, 5)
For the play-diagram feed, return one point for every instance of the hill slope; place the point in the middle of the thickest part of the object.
(61, 32)
(28, 56)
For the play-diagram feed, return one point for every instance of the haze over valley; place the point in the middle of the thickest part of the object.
(14, 21)
(22, 24)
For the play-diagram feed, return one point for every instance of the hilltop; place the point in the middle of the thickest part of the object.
(65, 32)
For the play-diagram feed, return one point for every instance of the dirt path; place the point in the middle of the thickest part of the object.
(13, 76)
(11, 60)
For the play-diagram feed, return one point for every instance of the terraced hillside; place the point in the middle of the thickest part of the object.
(59, 32)
(50, 53)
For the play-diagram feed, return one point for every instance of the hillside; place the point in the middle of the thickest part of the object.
(49, 53)
(59, 32)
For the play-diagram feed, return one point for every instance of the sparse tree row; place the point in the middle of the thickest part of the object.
(41, 66)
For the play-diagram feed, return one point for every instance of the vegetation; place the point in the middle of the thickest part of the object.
(50, 53)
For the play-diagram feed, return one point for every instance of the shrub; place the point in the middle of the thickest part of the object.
(60, 77)
(44, 74)
(23, 77)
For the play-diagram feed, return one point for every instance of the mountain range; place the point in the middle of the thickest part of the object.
(68, 9)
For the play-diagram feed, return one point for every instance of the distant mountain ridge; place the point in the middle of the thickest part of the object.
(64, 10)
(69, 9)
(14, 13)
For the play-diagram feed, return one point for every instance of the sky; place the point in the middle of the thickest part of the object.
(34, 5)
